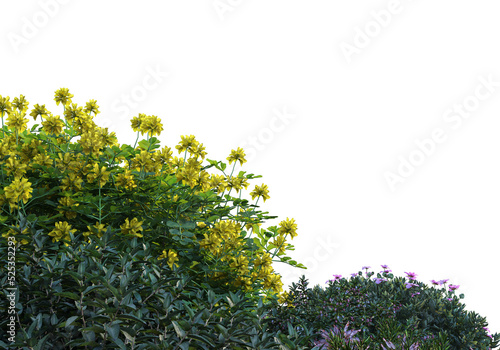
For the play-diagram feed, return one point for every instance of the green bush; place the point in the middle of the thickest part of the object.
(117, 244)
(386, 308)
(122, 296)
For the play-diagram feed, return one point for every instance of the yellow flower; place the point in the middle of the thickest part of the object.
(53, 125)
(151, 125)
(125, 179)
(67, 201)
(260, 191)
(201, 224)
(203, 180)
(285, 297)
(91, 142)
(107, 138)
(172, 257)
(165, 155)
(91, 107)
(71, 182)
(63, 96)
(82, 122)
(131, 228)
(17, 121)
(100, 228)
(18, 190)
(72, 112)
(63, 161)
(288, 227)
(39, 111)
(20, 103)
(42, 160)
(280, 244)
(5, 105)
(237, 155)
(15, 166)
(61, 231)
(187, 176)
(12, 233)
(240, 263)
(137, 122)
(198, 150)
(244, 282)
(274, 283)
(218, 183)
(264, 260)
(98, 173)
(237, 183)
(143, 162)
(186, 143)
(211, 242)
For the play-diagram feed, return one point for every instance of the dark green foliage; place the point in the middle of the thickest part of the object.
(123, 297)
(382, 312)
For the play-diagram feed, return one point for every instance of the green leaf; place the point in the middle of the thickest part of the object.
(131, 317)
(172, 224)
(188, 234)
(69, 321)
(68, 295)
(113, 331)
(144, 144)
(223, 330)
(212, 218)
(180, 332)
(203, 339)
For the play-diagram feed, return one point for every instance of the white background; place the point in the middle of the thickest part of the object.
(233, 66)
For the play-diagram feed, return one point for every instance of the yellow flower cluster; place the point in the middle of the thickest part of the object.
(61, 231)
(171, 256)
(94, 159)
(260, 191)
(98, 228)
(287, 227)
(19, 190)
(223, 241)
(237, 155)
(132, 227)
(150, 125)
(12, 233)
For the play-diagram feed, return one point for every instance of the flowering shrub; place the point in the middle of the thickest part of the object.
(100, 229)
(385, 309)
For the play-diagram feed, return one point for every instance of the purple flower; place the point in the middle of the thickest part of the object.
(409, 285)
(384, 266)
(450, 299)
(378, 280)
(435, 282)
(443, 281)
(453, 287)
(366, 267)
(411, 275)
(354, 274)
(337, 277)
